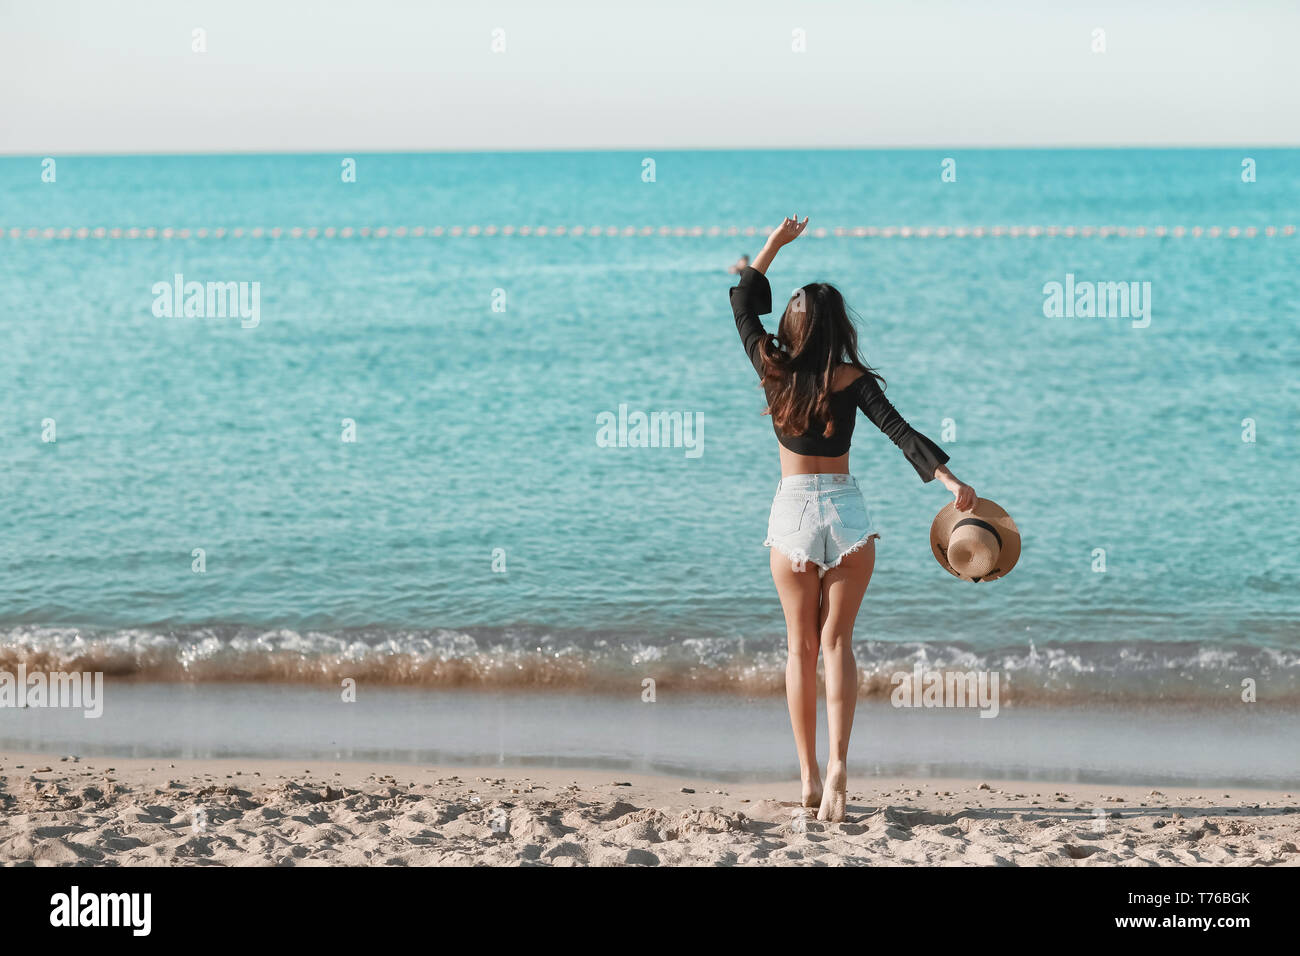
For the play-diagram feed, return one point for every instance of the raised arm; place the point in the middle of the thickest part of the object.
(752, 296)
(789, 230)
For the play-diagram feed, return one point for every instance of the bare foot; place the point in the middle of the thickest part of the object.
(812, 789)
(836, 795)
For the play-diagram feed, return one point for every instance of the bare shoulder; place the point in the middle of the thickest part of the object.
(845, 376)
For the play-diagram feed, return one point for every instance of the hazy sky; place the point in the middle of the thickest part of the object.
(292, 75)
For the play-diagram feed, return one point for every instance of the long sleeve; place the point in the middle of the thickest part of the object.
(750, 298)
(924, 454)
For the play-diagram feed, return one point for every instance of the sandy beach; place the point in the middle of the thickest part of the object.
(66, 810)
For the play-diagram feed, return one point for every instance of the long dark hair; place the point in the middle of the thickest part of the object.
(815, 337)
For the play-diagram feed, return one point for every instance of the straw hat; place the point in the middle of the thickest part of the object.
(976, 545)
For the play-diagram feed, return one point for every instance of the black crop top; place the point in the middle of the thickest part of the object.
(751, 298)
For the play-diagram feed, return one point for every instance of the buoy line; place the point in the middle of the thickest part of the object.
(837, 232)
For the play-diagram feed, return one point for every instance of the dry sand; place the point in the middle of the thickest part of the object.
(114, 811)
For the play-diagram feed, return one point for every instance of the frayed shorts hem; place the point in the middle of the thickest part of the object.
(797, 556)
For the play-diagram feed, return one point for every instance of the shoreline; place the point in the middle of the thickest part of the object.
(719, 738)
(58, 809)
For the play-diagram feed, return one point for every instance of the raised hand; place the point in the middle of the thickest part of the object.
(789, 230)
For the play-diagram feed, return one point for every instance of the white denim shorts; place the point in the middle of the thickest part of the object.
(819, 519)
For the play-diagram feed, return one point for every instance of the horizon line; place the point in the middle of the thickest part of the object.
(525, 150)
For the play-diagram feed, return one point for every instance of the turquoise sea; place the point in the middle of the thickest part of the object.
(476, 534)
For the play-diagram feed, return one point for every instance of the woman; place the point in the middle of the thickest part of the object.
(815, 381)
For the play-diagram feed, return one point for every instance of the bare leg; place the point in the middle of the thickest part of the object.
(842, 591)
(800, 593)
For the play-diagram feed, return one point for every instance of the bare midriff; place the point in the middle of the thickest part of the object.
(795, 464)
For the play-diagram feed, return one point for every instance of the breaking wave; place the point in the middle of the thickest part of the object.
(530, 658)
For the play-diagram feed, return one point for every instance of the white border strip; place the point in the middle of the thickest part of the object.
(868, 232)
